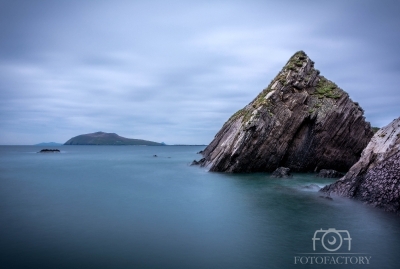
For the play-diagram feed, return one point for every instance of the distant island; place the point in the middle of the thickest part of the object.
(101, 138)
(49, 144)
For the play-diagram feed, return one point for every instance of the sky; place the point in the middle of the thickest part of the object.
(175, 71)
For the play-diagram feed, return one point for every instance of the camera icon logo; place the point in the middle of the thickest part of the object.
(331, 239)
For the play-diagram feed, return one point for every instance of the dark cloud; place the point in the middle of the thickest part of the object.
(175, 71)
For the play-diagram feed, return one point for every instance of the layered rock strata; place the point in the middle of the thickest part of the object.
(375, 178)
(301, 121)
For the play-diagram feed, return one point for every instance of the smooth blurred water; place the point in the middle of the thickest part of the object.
(120, 207)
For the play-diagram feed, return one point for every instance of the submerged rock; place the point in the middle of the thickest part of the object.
(326, 197)
(301, 121)
(329, 173)
(375, 178)
(281, 172)
(312, 187)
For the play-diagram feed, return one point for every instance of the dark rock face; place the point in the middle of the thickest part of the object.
(375, 178)
(281, 172)
(329, 173)
(301, 121)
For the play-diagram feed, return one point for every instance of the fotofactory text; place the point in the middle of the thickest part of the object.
(332, 246)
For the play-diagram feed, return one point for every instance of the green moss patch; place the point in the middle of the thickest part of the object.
(296, 61)
(326, 89)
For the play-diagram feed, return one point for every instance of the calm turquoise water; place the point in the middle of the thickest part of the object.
(120, 207)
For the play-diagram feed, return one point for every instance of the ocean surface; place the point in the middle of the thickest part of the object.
(121, 207)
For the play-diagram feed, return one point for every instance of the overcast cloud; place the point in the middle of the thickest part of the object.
(175, 71)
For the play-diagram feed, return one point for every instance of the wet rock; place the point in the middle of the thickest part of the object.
(281, 172)
(301, 121)
(329, 173)
(198, 162)
(375, 178)
(49, 150)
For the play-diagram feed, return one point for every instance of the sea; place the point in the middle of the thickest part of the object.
(146, 207)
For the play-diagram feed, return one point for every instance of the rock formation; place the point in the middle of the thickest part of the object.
(301, 121)
(375, 178)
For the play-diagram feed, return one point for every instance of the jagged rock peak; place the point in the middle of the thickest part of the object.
(301, 121)
(375, 178)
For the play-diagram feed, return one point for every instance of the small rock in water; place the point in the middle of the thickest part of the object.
(281, 172)
(49, 150)
(329, 173)
(198, 162)
(155, 155)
